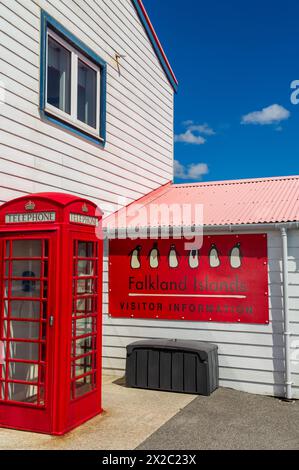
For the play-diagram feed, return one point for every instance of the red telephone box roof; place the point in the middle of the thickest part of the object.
(50, 208)
(61, 199)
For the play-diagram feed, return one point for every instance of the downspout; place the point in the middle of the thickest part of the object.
(287, 333)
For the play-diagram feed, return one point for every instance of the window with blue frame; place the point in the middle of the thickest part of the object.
(73, 82)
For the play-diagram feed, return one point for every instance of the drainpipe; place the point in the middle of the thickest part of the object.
(287, 333)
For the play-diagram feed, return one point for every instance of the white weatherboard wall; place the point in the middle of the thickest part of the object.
(38, 156)
(251, 357)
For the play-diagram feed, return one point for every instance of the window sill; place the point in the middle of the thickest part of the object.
(72, 126)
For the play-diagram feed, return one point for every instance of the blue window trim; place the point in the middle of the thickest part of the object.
(155, 46)
(48, 21)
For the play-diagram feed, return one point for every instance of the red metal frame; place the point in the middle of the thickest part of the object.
(56, 403)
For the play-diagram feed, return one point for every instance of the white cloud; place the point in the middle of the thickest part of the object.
(188, 123)
(201, 128)
(271, 115)
(193, 133)
(194, 171)
(189, 137)
(179, 169)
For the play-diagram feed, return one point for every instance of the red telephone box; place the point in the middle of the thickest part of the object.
(50, 312)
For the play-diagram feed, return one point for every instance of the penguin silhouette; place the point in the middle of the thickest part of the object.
(154, 256)
(173, 257)
(135, 257)
(236, 257)
(193, 259)
(214, 257)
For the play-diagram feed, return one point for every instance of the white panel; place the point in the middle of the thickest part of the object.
(146, 146)
(212, 336)
(15, 162)
(42, 160)
(142, 153)
(17, 15)
(188, 326)
(17, 48)
(28, 141)
(19, 75)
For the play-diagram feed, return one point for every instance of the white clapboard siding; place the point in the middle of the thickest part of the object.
(20, 127)
(41, 169)
(141, 143)
(18, 103)
(25, 134)
(38, 156)
(19, 76)
(251, 357)
(14, 154)
(78, 161)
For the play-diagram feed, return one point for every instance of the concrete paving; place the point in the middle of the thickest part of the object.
(229, 419)
(151, 420)
(130, 416)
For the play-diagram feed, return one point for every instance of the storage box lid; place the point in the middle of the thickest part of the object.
(203, 350)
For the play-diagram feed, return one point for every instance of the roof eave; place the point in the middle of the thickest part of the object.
(146, 22)
(143, 232)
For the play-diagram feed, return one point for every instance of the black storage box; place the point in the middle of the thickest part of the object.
(173, 365)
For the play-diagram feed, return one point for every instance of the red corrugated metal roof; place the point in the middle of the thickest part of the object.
(248, 201)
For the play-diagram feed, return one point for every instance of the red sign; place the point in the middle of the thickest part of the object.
(225, 281)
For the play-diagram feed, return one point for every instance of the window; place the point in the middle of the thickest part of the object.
(59, 76)
(85, 318)
(73, 82)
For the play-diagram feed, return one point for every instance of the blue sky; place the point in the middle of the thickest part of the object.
(232, 58)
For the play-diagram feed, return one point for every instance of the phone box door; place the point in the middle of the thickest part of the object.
(27, 306)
